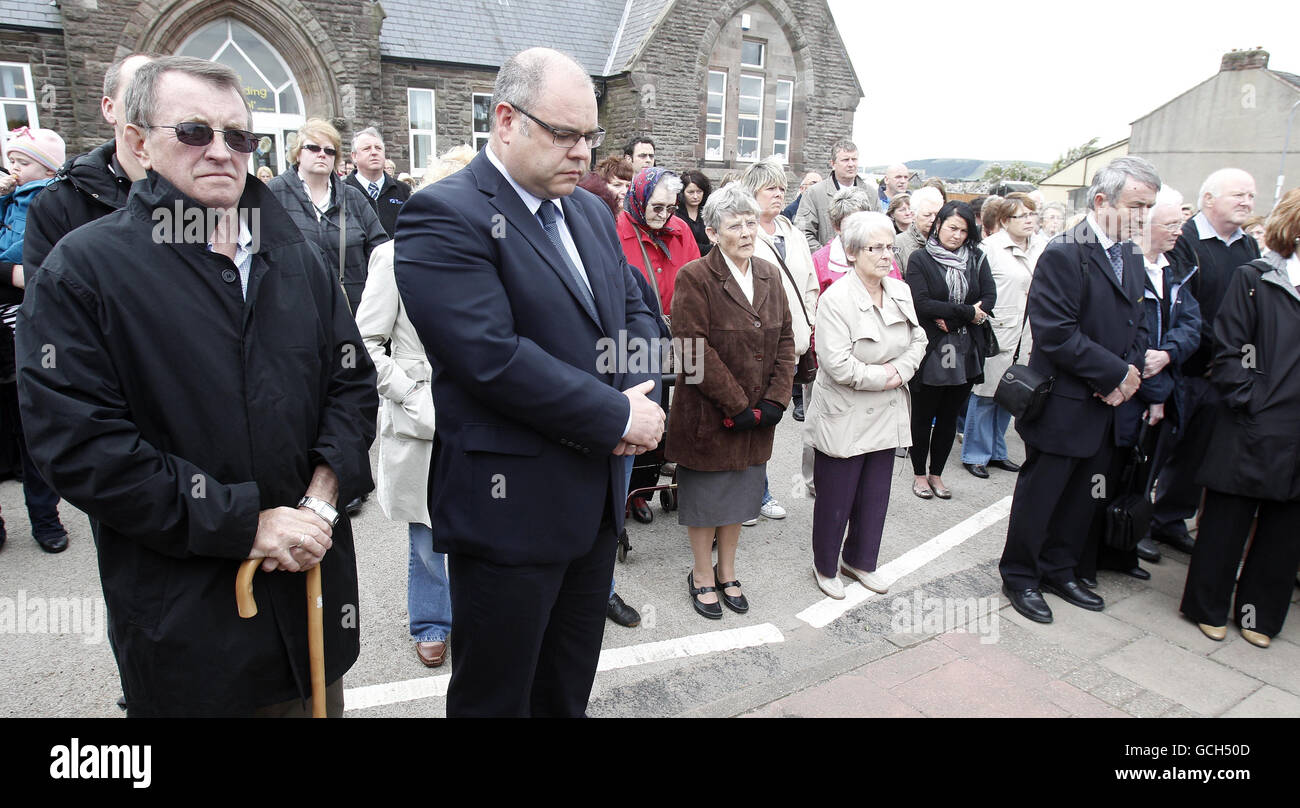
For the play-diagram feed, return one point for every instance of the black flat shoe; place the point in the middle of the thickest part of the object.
(713, 611)
(1147, 550)
(1030, 603)
(798, 412)
(55, 543)
(977, 470)
(738, 603)
(1091, 583)
(1134, 572)
(1005, 465)
(1179, 539)
(1074, 593)
(621, 613)
(354, 507)
(641, 511)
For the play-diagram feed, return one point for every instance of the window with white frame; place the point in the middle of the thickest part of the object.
(749, 118)
(752, 54)
(715, 126)
(17, 97)
(423, 139)
(781, 128)
(482, 119)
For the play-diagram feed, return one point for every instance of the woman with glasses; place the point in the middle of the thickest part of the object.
(954, 293)
(734, 325)
(869, 344)
(652, 237)
(335, 217)
(1012, 252)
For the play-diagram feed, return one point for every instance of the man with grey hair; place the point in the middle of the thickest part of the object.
(386, 194)
(1089, 332)
(813, 217)
(926, 202)
(527, 487)
(809, 180)
(222, 425)
(893, 183)
(1214, 242)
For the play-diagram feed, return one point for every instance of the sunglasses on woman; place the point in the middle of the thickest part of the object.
(192, 133)
(314, 149)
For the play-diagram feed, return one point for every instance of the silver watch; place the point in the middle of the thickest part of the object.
(321, 508)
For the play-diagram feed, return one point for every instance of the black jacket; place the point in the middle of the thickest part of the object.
(392, 195)
(1215, 264)
(83, 190)
(364, 231)
(171, 410)
(1087, 330)
(928, 280)
(1254, 450)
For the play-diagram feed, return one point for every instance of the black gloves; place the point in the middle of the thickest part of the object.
(771, 413)
(742, 421)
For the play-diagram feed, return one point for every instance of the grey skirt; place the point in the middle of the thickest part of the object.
(716, 498)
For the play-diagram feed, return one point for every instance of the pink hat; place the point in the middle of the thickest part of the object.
(42, 145)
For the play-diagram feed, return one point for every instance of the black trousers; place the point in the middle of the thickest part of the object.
(1177, 494)
(527, 638)
(1268, 574)
(1051, 512)
(939, 405)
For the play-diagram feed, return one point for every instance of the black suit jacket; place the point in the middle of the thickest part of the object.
(1087, 330)
(529, 409)
(392, 195)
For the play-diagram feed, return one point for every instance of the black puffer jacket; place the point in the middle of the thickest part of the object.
(364, 230)
(83, 190)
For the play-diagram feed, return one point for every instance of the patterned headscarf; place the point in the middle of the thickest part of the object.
(638, 197)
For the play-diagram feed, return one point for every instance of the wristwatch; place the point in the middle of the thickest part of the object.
(321, 508)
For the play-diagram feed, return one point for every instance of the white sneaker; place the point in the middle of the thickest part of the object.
(832, 587)
(750, 522)
(870, 580)
(772, 510)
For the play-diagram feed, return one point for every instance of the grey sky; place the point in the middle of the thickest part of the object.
(1027, 81)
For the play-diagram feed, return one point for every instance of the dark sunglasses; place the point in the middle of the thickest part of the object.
(192, 133)
(314, 149)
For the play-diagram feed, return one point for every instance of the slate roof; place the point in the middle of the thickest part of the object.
(1289, 78)
(30, 14)
(603, 35)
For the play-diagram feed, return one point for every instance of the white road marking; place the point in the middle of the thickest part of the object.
(828, 610)
(360, 698)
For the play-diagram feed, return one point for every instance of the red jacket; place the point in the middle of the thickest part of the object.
(681, 244)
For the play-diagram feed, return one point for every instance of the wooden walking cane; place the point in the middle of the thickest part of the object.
(315, 624)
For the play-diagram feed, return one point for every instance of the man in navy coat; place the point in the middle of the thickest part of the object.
(1085, 309)
(517, 286)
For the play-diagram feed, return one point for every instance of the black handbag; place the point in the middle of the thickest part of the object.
(1022, 391)
(1128, 514)
(991, 347)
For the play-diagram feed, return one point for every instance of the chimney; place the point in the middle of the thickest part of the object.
(1256, 59)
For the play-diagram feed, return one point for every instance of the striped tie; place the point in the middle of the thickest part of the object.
(547, 214)
(374, 190)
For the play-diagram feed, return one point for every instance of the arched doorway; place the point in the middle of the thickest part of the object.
(269, 85)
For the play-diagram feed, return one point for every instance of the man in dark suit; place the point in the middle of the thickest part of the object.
(517, 287)
(1089, 334)
(386, 194)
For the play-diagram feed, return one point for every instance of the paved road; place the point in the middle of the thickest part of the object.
(896, 654)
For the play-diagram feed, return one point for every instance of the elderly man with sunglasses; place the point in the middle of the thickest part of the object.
(190, 377)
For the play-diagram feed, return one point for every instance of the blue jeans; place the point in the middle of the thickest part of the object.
(767, 491)
(428, 599)
(986, 432)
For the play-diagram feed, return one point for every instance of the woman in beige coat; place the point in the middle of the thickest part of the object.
(869, 344)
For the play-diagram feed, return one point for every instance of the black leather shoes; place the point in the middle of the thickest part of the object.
(798, 411)
(713, 611)
(1030, 603)
(1132, 572)
(641, 511)
(1147, 550)
(737, 604)
(55, 543)
(354, 507)
(1177, 538)
(977, 470)
(1073, 592)
(1005, 465)
(1091, 583)
(621, 613)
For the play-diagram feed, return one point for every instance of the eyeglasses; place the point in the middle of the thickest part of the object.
(879, 249)
(564, 138)
(748, 226)
(1026, 215)
(660, 210)
(193, 133)
(330, 151)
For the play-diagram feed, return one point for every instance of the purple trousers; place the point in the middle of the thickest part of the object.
(852, 491)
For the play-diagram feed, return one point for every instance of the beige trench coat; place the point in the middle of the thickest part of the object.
(406, 402)
(1012, 269)
(851, 413)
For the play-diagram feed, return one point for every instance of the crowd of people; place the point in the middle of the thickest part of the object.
(884, 316)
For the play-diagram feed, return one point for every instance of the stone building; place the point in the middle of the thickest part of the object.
(1239, 117)
(716, 83)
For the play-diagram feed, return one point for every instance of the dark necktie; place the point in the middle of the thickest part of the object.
(1115, 254)
(374, 190)
(547, 214)
(778, 242)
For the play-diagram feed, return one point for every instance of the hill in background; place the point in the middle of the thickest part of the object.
(956, 168)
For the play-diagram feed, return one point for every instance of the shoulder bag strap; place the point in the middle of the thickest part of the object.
(798, 294)
(650, 271)
(343, 228)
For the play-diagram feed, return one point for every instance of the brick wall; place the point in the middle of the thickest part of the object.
(454, 89)
(43, 51)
